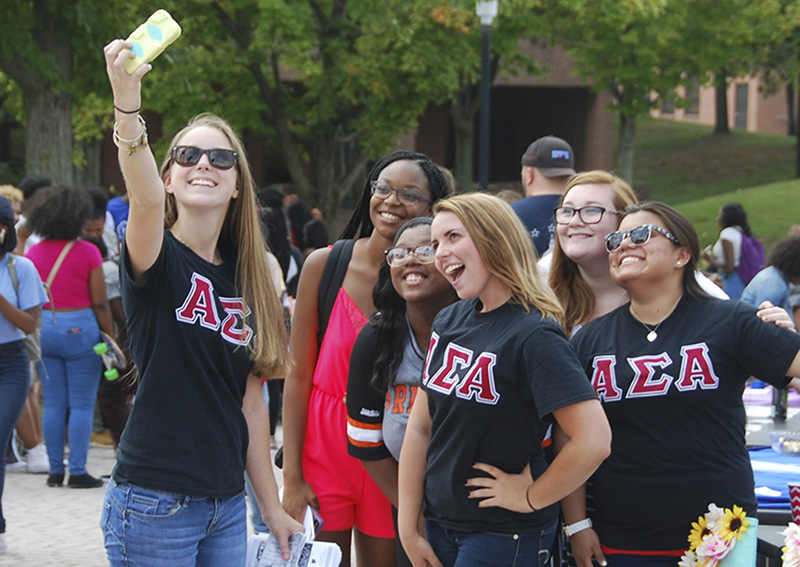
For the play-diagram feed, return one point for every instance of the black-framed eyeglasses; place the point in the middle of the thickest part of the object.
(639, 235)
(407, 197)
(218, 157)
(588, 215)
(396, 257)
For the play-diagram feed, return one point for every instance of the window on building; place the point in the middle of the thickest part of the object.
(693, 95)
(667, 104)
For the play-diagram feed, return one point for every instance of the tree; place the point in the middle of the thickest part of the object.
(729, 38)
(627, 48)
(51, 49)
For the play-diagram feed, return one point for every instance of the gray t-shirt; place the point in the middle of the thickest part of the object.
(377, 420)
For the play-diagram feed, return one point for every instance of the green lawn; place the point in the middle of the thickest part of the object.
(680, 162)
(686, 166)
(771, 210)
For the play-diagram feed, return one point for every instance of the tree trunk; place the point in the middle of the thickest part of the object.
(797, 145)
(88, 174)
(48, 135)
(790, 109)
(462, 113)
(48, 130)
(624, 157)
(721, 122)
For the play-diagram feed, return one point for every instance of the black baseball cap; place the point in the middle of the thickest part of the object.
(552, 155)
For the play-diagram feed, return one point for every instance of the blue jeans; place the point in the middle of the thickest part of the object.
(70, 386)
(14, 379)
(461, 549)
(149, 528)
(732, 284)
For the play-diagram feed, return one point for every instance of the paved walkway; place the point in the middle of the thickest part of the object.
(57, 526)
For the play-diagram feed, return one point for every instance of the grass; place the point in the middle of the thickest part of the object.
(686, 166)
(771, 210)
(681, 162)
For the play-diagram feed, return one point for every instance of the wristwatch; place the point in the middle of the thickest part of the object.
(572, 529)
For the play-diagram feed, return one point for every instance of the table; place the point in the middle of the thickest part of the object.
(771, 522)
(760, 424)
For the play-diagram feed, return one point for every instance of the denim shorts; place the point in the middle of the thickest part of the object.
(483, 549)
(149, 528)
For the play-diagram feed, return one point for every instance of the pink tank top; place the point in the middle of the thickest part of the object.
(333, 361)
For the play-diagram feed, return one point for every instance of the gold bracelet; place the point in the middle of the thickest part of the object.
(528, 498)
(134, 145)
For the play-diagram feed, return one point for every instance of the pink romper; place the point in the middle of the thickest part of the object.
(347, 494)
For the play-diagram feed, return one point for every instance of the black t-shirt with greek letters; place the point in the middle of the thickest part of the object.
(186, 433)
(677, 416)
(493, 380)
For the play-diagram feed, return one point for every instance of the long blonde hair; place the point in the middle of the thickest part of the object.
(241, 238)
(505, 248)
(565, 279)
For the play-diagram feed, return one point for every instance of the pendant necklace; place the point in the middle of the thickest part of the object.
(652, 335)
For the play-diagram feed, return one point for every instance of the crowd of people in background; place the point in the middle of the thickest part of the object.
(461, 378)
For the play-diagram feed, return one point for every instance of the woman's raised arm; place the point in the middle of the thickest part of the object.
(145, 230)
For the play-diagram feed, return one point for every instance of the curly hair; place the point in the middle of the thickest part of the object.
(360, 225)
(786, 257)
(733, 214)
(59, 212)
(390, 324)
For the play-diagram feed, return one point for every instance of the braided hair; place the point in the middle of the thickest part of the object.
(360, 224)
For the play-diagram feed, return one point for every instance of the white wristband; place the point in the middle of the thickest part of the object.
(572, 529)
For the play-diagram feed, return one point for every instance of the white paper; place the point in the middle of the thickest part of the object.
(263, 550)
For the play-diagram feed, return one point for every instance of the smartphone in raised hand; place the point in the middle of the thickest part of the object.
(151, 38)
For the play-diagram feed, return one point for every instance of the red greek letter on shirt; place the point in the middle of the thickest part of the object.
(199, 305)
(446, 379)
(696, 369)
(479, 381)
(604, 379)
(234, 327)
(646, 381)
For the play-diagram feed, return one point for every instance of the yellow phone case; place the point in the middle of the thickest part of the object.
(152, 38)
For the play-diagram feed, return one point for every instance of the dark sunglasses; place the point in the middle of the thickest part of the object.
(396, 257)
(217, 157)
(639, 236)
(407, 197)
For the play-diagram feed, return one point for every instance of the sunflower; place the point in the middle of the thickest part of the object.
(733, 524)
(700, 530)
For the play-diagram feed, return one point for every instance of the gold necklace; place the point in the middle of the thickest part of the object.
(652, 335)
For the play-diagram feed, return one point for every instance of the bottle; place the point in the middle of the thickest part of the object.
(780, 399)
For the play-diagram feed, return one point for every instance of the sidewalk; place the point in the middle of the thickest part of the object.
(59, 526)
(55, 526)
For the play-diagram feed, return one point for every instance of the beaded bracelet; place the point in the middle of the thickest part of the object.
(135, 144)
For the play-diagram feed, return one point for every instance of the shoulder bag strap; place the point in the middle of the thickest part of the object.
(12, 272)
(332, 277)
(52, 275)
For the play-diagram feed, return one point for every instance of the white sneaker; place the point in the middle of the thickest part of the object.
(3, 545)
(37, 460)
